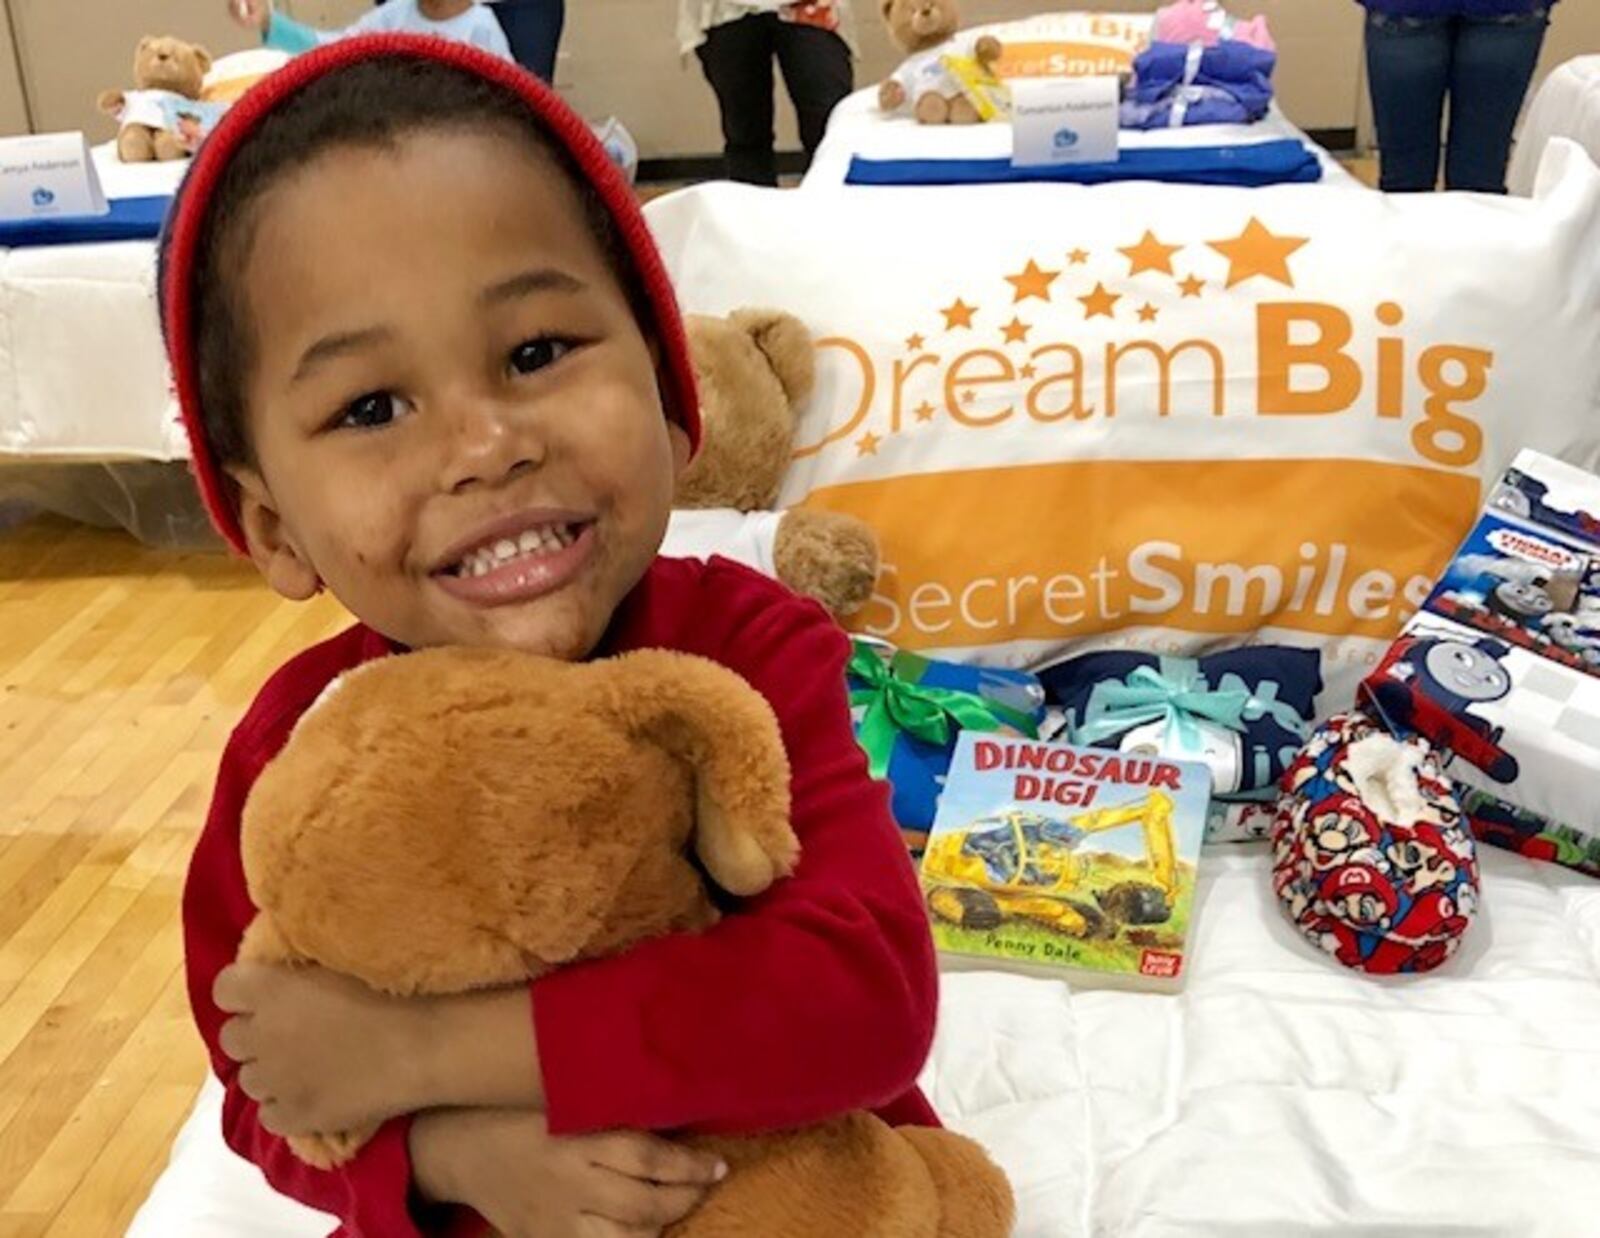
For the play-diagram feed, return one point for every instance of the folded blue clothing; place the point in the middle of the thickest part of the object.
(1254, 704)
(1177, 84)
(130, 219)
(1254, 164)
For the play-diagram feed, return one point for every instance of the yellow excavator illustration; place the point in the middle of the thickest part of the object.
(1023, 865)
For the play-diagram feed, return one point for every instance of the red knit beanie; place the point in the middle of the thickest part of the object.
(187, 225)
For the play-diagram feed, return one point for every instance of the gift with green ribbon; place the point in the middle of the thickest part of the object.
(909, 710)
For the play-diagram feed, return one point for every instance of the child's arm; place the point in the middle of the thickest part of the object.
(809, 1001)
(814, 999)
(284, 34)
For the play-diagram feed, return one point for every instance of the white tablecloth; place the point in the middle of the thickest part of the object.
(1279, 1096)
(83, 375)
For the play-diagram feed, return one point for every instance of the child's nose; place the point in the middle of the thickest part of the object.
(487, 448)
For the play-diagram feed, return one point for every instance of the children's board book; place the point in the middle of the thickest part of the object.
(1073, 862)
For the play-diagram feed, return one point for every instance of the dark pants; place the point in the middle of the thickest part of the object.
(1484, 65)
(737, 59)
(533, 28)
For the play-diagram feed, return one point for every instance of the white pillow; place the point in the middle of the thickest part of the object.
(1163, 416)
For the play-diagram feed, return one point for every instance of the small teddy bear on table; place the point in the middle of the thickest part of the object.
(926, 31)
(164, 69)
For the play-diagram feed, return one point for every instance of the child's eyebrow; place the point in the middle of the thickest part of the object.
(331, 346)
(543, 279)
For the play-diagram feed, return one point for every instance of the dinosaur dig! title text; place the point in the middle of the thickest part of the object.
(1058, 775)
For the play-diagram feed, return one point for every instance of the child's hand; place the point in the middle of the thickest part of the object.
(507, 1167)
(254, 14)
(320, 1052)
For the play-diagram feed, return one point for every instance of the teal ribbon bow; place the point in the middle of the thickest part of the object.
(1177, 694)
(896, 705)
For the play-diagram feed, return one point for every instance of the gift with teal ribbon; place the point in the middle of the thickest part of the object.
(1246, 712)
(909, 710)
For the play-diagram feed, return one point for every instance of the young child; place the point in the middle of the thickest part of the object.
(465, 21)
(466, 424)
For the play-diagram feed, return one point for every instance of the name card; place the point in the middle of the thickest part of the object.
(1057, 120)
(48, 175)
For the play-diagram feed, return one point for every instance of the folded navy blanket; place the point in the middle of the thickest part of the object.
(130, 219)
(1278, 162)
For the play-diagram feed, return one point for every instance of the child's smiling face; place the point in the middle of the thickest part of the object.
(455, 417)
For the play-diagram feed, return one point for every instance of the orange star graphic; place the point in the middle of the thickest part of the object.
(867, 444)
(924, 411)
(1032, 281)
(958, 315)
(1078, 257)
(914, 343)
(1016, 331)
(1148, 313)
(1191, 286)
(1100, 303)
(967, 397)
(1259, 251)
(1027, 371)
(1149, 255)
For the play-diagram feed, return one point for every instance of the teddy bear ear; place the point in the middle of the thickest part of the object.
(714, 722)
(887, 7)
(202, 57)
(784, 340)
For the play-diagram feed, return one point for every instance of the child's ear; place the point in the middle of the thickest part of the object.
(271, 546)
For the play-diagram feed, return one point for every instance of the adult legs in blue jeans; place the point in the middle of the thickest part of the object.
(1483, 65)
(1408, 73)
(1489, 75)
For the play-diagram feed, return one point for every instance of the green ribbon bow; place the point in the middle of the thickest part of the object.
(896, 705)
(1176, 694)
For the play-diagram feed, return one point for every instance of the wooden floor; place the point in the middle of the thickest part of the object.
(121, 672)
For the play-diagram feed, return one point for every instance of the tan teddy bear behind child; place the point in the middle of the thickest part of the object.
(161, 66)
(405, 836)
(754, 369)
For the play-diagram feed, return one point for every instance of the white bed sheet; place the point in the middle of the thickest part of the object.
(1566, 106)
(859, 127)
(83, 375)
(1278, 1096)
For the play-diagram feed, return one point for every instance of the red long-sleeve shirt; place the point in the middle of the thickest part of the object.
(811, 1000)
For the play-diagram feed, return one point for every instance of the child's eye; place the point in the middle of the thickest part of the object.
(530, 356)
(367, 412)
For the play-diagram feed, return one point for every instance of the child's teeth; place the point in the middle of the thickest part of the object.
(548, 539)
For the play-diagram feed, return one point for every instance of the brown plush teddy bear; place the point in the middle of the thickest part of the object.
(162, 68)
(926, 31)
(754, 368)
(403, 837)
